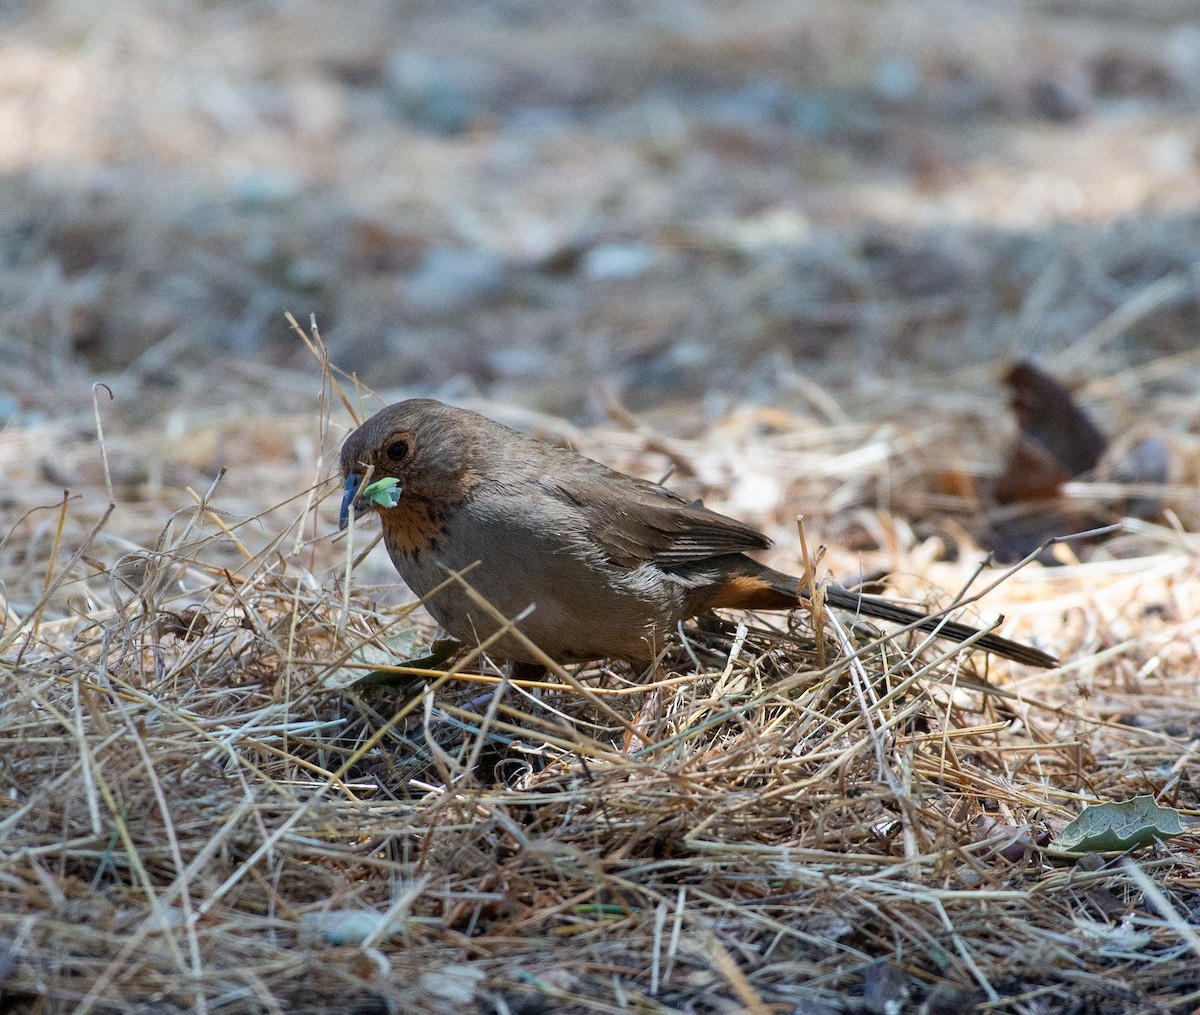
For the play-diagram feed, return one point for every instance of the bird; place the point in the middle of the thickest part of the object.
(597, 564)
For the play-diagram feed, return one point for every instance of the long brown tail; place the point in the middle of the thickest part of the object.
(763, 588)
(881, 609)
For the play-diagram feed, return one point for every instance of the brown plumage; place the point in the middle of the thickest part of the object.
(611, 564)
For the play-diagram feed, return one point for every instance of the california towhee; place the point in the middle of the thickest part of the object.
(610, 563)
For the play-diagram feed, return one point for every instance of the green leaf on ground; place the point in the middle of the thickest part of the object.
(360, 667)
(1102, 828)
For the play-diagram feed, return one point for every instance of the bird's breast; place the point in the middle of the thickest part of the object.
(582, 607)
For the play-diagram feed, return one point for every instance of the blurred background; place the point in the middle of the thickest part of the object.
(678, 201)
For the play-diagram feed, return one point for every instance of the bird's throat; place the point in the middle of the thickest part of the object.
(413, 527)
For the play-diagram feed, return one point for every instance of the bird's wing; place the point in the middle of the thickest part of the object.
(635, 521)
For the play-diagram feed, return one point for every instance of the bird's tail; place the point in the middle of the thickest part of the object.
(764, 588)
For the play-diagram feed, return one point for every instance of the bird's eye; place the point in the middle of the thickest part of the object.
(397, 451)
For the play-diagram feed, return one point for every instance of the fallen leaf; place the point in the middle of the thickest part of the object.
(1057, 439)
(1114, 826)
(364, 665)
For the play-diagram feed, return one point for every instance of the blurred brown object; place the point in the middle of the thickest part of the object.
(1057, 440)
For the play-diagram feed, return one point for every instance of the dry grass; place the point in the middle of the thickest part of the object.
(198, 815)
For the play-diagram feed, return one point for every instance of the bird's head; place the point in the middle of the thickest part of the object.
(428, 449)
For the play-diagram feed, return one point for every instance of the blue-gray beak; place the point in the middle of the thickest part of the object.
(349, 492)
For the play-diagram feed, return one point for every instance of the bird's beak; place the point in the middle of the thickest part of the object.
(384, 493)
(349, 492)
